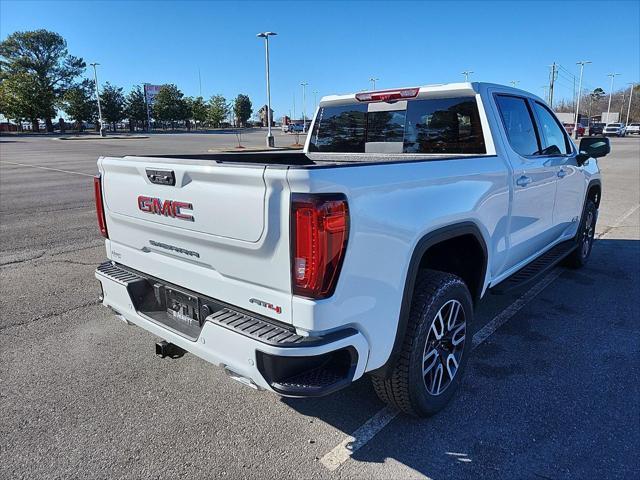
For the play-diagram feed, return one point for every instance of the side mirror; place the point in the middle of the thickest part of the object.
(592, 147)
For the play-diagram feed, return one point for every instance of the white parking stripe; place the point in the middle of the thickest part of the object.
(47, 168)
(343, 451)
(358, 439)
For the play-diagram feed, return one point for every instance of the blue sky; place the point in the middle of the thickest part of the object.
(338, 46)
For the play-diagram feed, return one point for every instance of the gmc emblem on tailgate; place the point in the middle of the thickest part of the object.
(168, 208)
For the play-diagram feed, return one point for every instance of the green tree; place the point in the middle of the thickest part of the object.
(199, 110)
(22, 98)
(170, 105)
(112, 103)
(242, 108)
(218, 110)
(135, 108)
(41, 59)
(80, 104)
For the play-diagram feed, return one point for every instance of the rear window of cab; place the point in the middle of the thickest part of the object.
(439, 126)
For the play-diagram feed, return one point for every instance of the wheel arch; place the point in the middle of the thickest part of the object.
(423, 246)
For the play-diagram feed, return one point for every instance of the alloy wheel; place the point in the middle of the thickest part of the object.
(444, 347)
(587, 234)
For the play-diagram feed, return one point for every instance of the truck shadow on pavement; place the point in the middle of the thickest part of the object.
(553, 393)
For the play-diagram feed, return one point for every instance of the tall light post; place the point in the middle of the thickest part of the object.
(575, 127)
(95, 76)
(304, 107)
(612, 75)
(373, 81)
(631, 85)
(266, 35)
(315, 100)
(466, 74)
(514, 83)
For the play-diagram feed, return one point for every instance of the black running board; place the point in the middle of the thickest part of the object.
(535, 269)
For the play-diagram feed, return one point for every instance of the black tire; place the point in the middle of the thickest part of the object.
(584, 238)
(406, 387)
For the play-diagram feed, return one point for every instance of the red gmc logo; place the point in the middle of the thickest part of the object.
(168, 208)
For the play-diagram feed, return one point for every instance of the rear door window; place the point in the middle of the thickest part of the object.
(518, 122)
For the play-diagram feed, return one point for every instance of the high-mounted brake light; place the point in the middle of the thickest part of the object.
(97, 190)
(319, 233)
(387, 95)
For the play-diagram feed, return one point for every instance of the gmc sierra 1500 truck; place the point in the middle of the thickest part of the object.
(364, 253)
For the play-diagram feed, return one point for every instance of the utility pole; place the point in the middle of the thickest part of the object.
(304, 107)
(200, 81)
(95, 76)
(266, 35)
(466, 74)
(575, 127)
(373, 81)
(514, 83)
(315, 100)
(612, 75)
(552, 80)
(146, 103)
(545, 90)
(629, 107)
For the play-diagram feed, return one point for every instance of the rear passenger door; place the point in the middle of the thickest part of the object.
(531, 227)
(559, 154)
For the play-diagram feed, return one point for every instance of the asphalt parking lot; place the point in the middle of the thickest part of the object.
(552, 389)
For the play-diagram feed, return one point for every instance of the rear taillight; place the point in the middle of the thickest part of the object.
(97, 190)
(319, 233)
(387, 95)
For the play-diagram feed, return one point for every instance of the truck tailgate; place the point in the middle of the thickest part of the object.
(217, 229)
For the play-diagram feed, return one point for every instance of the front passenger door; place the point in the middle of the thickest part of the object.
(559, 154)
(531, 227)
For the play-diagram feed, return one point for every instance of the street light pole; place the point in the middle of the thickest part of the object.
(514, 83)
(612, 75)
(266, 35)
(629, 107)
(466, 74)
(575, 127)
(373, 81)
(95, 76)
(304, 108)
(315, 100)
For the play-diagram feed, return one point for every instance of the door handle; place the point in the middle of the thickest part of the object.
(562, 173)
(523, 181)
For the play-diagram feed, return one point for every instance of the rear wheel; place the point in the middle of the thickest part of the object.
(435, 349)
(585, 237)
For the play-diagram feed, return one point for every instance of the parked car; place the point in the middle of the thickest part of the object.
(633, 129)
(285, 127)
(296, 127)
(569, 127)
(366, 252)
(596, 128)
(617, 129)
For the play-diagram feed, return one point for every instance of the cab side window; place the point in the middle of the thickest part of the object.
(518, 123)
(553, 137)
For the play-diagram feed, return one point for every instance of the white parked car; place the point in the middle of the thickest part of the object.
(617, 129)
(367, 252)
(633, 129)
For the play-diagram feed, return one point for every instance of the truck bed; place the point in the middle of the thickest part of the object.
(307, 160)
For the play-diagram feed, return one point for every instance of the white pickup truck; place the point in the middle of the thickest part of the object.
(367, 252)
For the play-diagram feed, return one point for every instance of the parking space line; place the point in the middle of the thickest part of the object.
(47, 168)
(359, 438)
